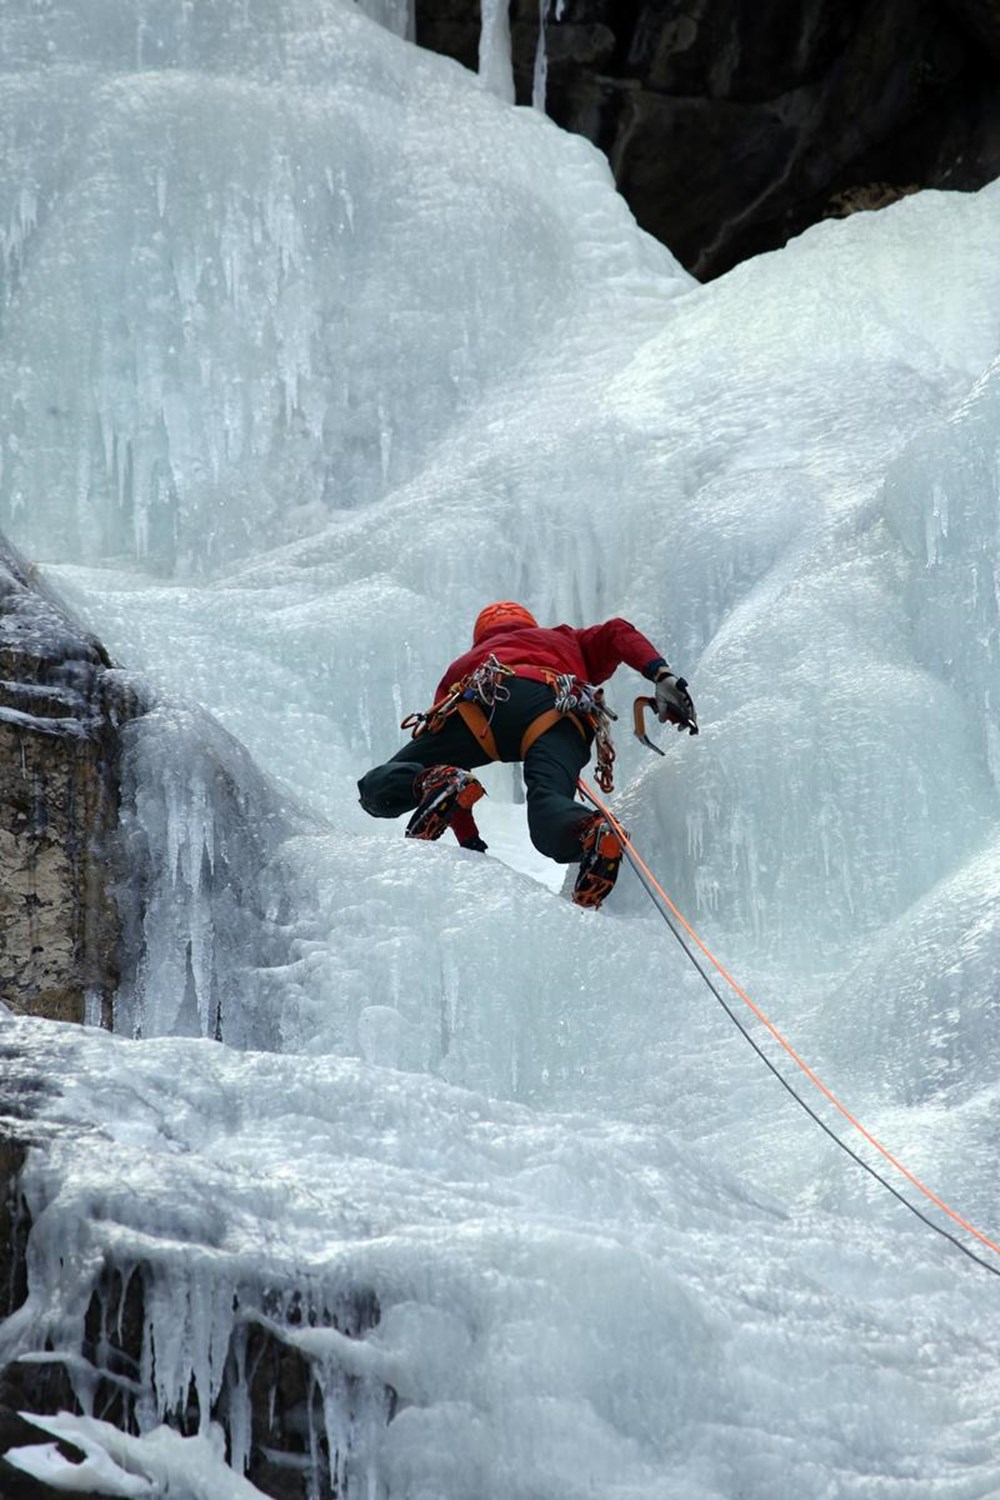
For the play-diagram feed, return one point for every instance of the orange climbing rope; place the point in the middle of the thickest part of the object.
(651, 885)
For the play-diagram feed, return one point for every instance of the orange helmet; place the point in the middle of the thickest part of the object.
(505, 612)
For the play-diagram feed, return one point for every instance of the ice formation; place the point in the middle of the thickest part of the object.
(279, 413)
(494, 50)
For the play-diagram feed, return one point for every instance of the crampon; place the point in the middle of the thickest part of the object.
(602, 856)
(442, 791)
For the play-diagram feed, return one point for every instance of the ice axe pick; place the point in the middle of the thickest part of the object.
(639, 722)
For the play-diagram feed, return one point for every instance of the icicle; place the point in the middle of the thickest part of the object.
(496, 71)
(541, 72)
(240, 1416)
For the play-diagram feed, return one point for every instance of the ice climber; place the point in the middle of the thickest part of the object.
(524, 693)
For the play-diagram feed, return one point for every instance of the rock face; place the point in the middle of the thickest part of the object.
(61, 707)
(731, 125)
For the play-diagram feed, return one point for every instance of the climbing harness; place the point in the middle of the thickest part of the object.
(476, 696)
(689, 940)
(470, 698)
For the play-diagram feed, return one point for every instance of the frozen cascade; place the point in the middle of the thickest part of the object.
(942, 503)
(589, 1237)
(244, 294)
(345, 346)
(199, 824)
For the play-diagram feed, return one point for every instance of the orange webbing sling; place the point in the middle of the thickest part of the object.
(545, 722)
(474, 718)
(550, 716)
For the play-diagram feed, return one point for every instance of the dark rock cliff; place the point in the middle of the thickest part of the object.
(732, 125)
(61, 710)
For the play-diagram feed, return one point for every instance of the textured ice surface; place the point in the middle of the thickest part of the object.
(344, 347)
(248, 338)
(568, 1302)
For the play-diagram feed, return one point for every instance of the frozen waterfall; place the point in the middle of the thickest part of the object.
(311, 344)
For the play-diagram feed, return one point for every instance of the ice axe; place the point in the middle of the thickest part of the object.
(639, 722)
(690, 723)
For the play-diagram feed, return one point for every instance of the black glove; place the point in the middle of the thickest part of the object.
(478, 844)
(673, 702)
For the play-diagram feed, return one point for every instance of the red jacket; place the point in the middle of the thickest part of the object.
(591, 654)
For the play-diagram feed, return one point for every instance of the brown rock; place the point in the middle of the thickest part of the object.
(60, 711)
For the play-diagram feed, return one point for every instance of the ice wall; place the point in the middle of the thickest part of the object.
(710, 475)
(722, 488)
(710, 462)
(565, 1302)
(942, 502)
(927, 977)
(385, 349)
(273, 213)
(198, 826)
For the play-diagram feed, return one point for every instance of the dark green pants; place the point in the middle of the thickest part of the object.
(551, 768)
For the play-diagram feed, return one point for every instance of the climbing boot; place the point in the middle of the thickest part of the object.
(602, 855)
(442, 790)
